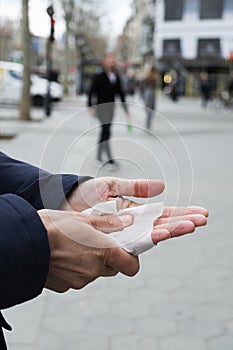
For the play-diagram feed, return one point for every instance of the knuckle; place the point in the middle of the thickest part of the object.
(113, 253)
(114, 273)
(134, 268)
(104, 222)
(110, 220)
(92, 220)
(81, 283)
(110, 255)
(77, 285)
(105, 255)
(62, 289)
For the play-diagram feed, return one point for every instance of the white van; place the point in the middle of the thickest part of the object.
(11, 85)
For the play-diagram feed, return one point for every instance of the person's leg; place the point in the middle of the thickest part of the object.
(107, 142)
(104, 142)
(111, 164)
(102, 138)
(109, 113)
(204, 101)
(149, 118)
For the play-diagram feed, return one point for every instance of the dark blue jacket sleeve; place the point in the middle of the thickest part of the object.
(38, 187)
(24, 247)
(24, 251)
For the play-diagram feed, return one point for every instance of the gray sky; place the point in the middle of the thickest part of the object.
(117, 12)
(115, 15)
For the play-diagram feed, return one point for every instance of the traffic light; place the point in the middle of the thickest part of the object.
(230, 57)
(50, 12)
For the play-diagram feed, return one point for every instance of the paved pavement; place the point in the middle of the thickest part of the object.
(182, 297)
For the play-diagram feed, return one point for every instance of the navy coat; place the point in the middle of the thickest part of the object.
(24, 247)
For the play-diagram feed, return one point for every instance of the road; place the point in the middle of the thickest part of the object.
(182, 296)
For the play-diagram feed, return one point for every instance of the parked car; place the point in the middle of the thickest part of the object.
(11, 85)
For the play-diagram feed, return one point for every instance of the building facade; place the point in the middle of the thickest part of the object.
(194, 36)
(136, 44)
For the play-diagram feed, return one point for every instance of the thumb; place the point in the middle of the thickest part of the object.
(121, 261)
(110, 223)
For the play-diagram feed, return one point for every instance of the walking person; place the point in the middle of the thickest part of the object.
(149, 96)
(205, 88)
(104, 89)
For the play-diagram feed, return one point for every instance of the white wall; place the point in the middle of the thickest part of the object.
(191, 28)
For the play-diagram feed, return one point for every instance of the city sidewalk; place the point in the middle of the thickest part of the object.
(182, 297)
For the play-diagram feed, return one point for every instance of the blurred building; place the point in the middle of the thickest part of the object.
(5, 43)
(136, 44)
(194, 36)
(11, 47)
(38, 45)
(9, 40)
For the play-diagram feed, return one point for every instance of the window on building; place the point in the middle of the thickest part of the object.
(209, 48)
(211, 9)
(171, 47)
(173, 10)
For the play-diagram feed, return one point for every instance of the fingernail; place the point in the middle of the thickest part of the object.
(126, 219)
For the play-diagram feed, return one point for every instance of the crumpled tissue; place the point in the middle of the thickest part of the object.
(136, 238)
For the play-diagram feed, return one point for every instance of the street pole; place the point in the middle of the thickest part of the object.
(47, 99)
(81, 73)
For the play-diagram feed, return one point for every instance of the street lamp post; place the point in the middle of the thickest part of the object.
(47, 100)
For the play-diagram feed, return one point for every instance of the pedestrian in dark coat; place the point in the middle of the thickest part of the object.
(104, 89)
(205, 88)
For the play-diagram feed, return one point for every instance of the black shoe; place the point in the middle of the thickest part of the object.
(111, 165)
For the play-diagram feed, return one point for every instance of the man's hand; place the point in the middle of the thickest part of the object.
(79, 253)
(103, 189)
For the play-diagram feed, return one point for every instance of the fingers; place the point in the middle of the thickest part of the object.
(177, 222)
(108, 223)
(179, 211)
(174, 226)
(124, 203)
(136, 188)
(104, 223)
(163, 232)
(197, 219)
(94, 191)
(121, 261)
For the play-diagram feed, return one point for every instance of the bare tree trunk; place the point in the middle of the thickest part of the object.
(25, 103)
(66, 61)
(68, 8)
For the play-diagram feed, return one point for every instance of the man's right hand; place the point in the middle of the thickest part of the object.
(79, 253)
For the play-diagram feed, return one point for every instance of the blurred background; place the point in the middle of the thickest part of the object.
(49, 53)
(67, 44)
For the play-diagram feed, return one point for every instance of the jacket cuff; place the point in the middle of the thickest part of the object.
(55, 188)
(24, 251)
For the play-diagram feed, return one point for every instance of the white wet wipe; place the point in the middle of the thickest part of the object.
(136, 238)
